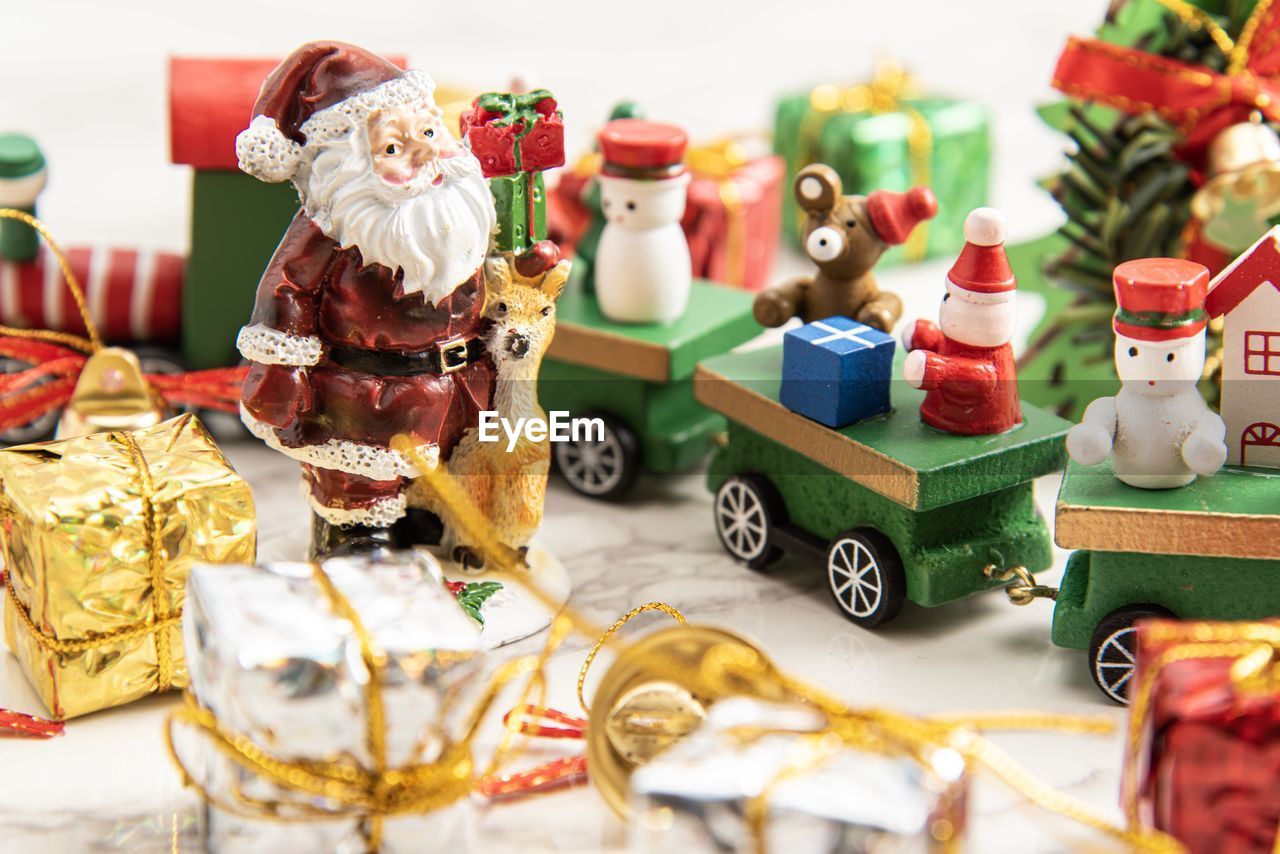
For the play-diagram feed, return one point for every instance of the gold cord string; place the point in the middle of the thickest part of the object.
(608, 633)
(94, 342)
(156, 555)
(734, 670)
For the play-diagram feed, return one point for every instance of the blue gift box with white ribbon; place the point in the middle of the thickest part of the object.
(836, 371)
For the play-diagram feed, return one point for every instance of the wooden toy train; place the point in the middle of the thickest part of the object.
(891, 509)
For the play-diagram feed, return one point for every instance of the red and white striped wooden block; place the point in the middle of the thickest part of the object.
(134, 296)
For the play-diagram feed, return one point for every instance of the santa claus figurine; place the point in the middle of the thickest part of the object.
(366, 318)
(966, 363)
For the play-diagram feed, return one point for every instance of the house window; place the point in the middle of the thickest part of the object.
(1262, 353)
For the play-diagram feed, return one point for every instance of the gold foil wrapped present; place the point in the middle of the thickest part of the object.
(98, 535)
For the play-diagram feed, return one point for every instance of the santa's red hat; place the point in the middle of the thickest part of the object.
(982, 268)
(1160, 299)
(321, 91)
(895, 215)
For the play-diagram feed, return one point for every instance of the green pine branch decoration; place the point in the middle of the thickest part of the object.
(474, 595)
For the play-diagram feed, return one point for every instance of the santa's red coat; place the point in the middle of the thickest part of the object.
(315, 291)
(969, 390)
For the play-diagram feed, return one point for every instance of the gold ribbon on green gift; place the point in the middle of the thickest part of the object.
(887, 91)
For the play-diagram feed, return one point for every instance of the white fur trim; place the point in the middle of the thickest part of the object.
(268, 346)
(381, 514)
(371, 461)
(265, 153)
(981, 297)
(332, 122)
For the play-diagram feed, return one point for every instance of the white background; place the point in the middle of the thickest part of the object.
(88, 80)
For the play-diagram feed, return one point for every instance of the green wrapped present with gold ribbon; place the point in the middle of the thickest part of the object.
(886, 135)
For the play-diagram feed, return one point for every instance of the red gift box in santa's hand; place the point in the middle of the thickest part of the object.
(510, 133)
(1203, 752)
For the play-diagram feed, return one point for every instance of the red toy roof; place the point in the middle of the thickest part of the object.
(1257, 265)
(210, 101)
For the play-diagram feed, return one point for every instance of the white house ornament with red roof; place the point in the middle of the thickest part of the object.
(1247, 296)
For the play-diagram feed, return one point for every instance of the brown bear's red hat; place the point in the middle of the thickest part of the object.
(895, 215)
(321, 91)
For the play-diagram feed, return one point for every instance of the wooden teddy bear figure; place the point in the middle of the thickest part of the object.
(845, 236)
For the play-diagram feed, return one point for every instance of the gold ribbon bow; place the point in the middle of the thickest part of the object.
(887, 91)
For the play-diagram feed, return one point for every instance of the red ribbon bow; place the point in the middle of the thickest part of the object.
(1198, 101)
(47, 386)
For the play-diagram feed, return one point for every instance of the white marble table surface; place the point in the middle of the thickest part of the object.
(108, 783)
(97, 103)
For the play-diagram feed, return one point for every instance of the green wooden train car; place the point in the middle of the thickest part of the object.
(638, 380)
(1207, 551)
(893, 509)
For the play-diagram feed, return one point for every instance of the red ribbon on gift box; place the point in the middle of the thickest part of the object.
(1200, 102)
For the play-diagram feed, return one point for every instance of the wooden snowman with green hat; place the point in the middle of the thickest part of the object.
(1158, 430)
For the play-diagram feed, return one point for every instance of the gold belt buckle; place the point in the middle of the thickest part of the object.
(453, 355)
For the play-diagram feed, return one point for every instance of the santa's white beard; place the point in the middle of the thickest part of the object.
(437, 236)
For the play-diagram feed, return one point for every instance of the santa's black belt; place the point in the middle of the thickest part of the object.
(444, 358)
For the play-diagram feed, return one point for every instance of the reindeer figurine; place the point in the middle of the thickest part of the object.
(508, 485)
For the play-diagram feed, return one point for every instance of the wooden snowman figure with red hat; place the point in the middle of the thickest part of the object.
(1158, 430)
(965, 362)
(367, 319)
(643, 271)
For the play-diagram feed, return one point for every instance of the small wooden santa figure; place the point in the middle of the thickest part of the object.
(965, 362)
(1158, 430)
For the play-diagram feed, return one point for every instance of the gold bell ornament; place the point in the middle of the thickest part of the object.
(1242, 191)
(112, 394)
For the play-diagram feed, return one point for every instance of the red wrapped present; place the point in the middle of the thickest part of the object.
(734, 213)
(1203, 752)
(512, 133)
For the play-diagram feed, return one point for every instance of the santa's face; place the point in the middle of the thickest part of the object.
(978, 320)
(1160, 367)
(405, 141)
(430, 217)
